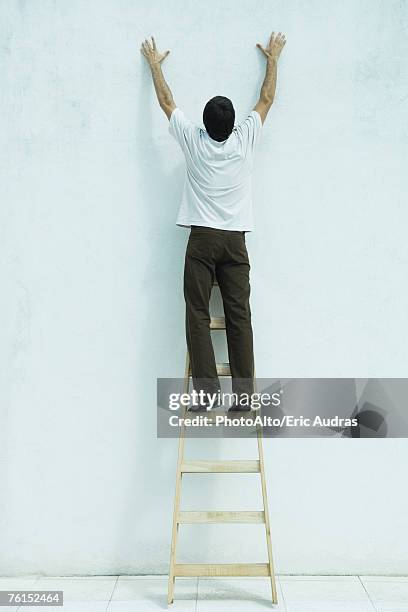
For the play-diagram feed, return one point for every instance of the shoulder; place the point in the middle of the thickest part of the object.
(176, 112)
(248, 131)
(185, 131)
(179, 120)
(253, 119)
(257, 117)
(178, 116)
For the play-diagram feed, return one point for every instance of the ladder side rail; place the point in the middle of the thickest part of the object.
(179, 475)
(266, 511)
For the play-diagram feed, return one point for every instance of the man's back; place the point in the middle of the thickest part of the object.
(217, 203)
(217, 190)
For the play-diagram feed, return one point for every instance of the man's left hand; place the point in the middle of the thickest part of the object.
(151, 53)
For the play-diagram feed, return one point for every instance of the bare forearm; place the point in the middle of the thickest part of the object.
(163, 91)
(269, 84)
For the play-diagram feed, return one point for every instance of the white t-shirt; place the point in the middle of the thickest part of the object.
(217, 189)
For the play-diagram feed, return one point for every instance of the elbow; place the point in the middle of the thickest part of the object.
(166, 102)
(267, 100)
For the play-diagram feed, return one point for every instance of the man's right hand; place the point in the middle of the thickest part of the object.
(272, 52)
(274, 46)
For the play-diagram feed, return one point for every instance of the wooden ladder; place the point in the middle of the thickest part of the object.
(185, 466)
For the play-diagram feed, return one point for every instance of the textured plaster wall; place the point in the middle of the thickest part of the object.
(91, 266)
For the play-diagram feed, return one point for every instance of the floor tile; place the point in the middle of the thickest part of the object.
(71, 606)
(330, 606)
(16, 583)
(319, 578)
(391, 607)
(150, 593)
(387, 592)
(237, 594)
(326, 592)
(86, 589)
(384, 578)
(152, 606)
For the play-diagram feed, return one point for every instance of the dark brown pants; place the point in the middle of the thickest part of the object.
(221, 254)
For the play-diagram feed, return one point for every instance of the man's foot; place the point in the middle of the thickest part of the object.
(239, 408)
(204, 407)
(198, 408)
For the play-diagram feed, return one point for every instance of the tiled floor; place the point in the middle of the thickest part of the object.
(147, 593)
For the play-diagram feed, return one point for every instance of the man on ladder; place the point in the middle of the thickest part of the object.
(217, 206)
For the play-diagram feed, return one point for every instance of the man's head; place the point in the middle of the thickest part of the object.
(219, 117)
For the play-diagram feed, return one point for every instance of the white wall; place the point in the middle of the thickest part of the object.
(92, 306)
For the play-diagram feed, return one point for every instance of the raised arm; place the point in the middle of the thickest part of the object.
(272, 52)
(163, 92)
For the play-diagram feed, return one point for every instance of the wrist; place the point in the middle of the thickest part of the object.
(272, 59)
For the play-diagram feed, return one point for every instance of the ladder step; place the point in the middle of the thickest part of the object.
(217, 323)
(223, 369)
(221, 517)
(221, 569)
(235, 466)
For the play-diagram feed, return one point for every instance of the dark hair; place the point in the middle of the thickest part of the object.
(219, 117)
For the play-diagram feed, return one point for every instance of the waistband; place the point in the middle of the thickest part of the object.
(214, 230)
